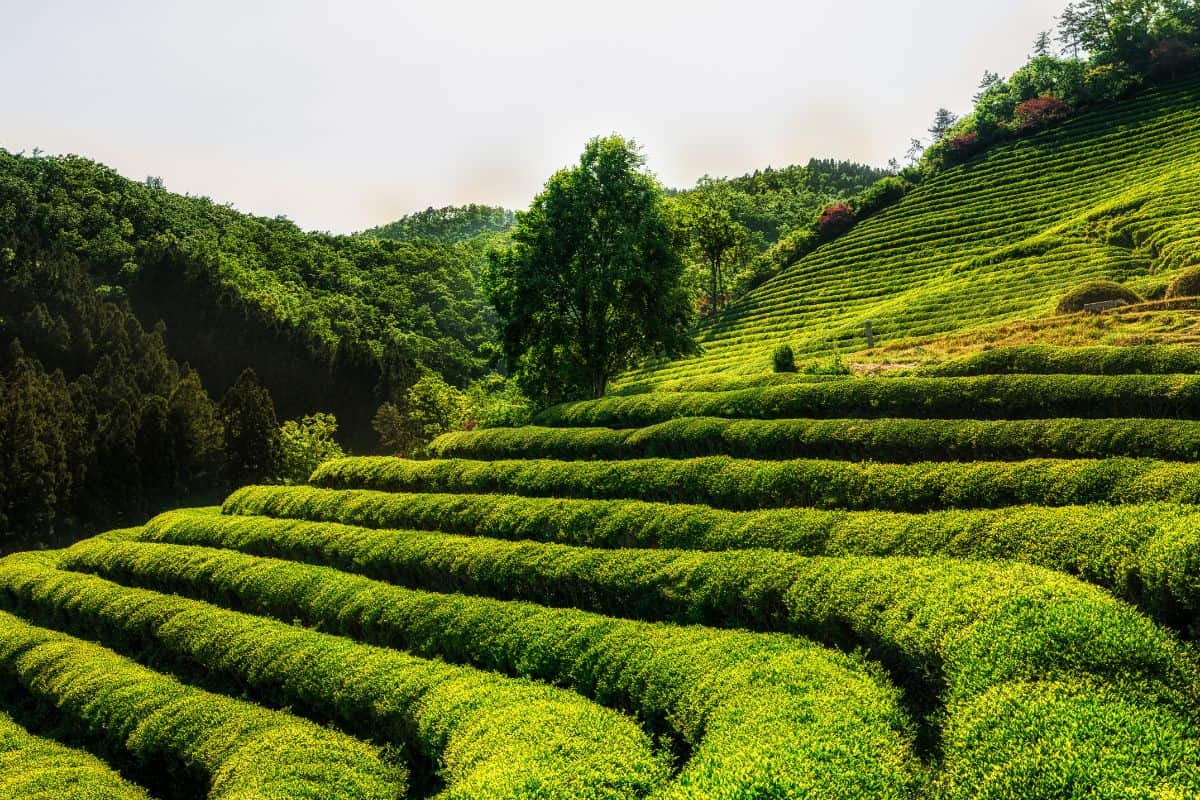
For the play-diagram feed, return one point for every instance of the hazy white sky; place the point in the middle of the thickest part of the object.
(346, 115)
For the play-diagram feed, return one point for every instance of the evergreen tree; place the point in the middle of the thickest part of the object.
(942, 121)
(251, 431)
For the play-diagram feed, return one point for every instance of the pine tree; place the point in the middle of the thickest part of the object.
(251, 431)
(942, 121)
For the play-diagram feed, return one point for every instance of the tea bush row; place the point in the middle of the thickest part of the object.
(898, 440)
(1051, 359)
(1048, 682)
(492, 737)
(35, 768)
(744, 484)
(200, 739)
(1148, 554)
(763, 716)
(974, 397)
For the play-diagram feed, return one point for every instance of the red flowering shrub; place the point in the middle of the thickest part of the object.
(963, 145)
(1041, 112)
(835, 219)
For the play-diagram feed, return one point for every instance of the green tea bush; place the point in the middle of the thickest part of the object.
(746, 484)
(1185, 284)
(1148, 554)
(973, 397)
(766, 716)
(1094, 292)
(897, 440)
(784, 359)
(489, 736)
(33, 768)
(186, 735)
(1049, 359)
(968, 631)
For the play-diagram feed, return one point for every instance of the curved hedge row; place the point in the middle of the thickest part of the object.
(898, 440)
(1053, 359)
(33, 768)
(1148, 554)
(1049, 682)
(238, 750)
(746, 484)
(976, 397)
(493, 737)
(766, 716)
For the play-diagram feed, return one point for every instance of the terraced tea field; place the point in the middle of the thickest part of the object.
(1111, 194)
(851, 588)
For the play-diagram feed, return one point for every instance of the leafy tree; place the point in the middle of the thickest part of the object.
(593, 280)
(251, 431)
(449, 225)
(306, 444)
(988, 80)
(716, 237)
(428, 409)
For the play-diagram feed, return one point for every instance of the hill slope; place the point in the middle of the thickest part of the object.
(1114, 193)
(333, 323)
(772, 619)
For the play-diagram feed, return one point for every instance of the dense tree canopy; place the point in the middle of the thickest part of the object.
(593, 280)
(448, 225)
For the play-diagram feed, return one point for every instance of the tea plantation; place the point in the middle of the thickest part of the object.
(975, 579)
(864, 587)
(1112, 194)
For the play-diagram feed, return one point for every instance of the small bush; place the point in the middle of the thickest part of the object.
(784, 359)
(1041, 112)
(963, 146)
(1095, 292)
(1185, 284)
(830, 366)
(835, 220)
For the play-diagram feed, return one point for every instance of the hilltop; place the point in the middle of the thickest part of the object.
(1110, 194)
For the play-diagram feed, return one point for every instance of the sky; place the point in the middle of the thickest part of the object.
(344, 115)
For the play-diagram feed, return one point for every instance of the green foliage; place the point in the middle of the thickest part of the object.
(899, 440)
(448, 225)
(783, 359)
(1046, 641)
(1094, 292)
(496, 402)
(333, 322)
(96, 421)
(762, 715)
(305, 444)
(470, 726)
(592, 282)
(1185, 284)
(979, 397)
(430, 408)
(977, 244)
(1048, 359)
(173, 733)
(252, 436)
(34, 768)
(725, 482)
(1144, 553)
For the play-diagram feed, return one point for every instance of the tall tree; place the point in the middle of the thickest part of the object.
(1070, 30)
(593, 279)
(716, 237)
(942, 121)
(251, 431)
(1042, 45)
